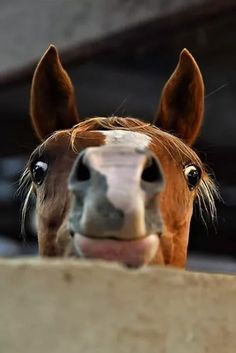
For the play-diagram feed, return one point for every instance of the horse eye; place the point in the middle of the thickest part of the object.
(192, 175)
(38, 172)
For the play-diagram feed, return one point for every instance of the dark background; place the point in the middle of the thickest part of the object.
(123, 73)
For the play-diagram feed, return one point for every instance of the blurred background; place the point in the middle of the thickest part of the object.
(119, 53)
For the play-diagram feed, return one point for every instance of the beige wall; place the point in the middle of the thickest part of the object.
(67, 306)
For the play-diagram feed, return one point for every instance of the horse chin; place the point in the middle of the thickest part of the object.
(131, 253)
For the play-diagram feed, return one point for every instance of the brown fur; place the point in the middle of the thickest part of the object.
(183, 116)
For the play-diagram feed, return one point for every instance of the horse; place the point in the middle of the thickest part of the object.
(117, 188)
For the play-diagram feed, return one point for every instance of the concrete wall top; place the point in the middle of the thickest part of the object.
(78, 306)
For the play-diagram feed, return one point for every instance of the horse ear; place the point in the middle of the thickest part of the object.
(52, 104)
(182, 100)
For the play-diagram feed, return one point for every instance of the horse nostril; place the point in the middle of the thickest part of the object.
(72, 233)
(82, 171)
(152, 172)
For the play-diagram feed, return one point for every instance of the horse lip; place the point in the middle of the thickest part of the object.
(132, 252)
(159, 235)
(113, 238)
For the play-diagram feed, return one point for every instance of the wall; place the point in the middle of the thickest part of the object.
(28, 27)
(55, 306)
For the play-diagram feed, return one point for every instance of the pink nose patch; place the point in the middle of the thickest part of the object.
(132, 253)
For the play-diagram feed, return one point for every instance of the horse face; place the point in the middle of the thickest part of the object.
(115, 188)
(115, 207)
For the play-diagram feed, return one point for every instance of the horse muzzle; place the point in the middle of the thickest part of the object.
(115, 195)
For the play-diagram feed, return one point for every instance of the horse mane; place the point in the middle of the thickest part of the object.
(206, 192)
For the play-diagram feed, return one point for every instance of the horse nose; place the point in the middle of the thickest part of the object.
(115, 192)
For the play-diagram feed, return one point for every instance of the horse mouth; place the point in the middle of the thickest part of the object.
(132, 253)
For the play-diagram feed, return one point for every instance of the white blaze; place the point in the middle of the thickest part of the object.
(117, 192)
(132, 138)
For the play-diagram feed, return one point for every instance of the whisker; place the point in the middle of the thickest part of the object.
(25, 189)
(216, 90)
(24, 211)
(120, 106)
